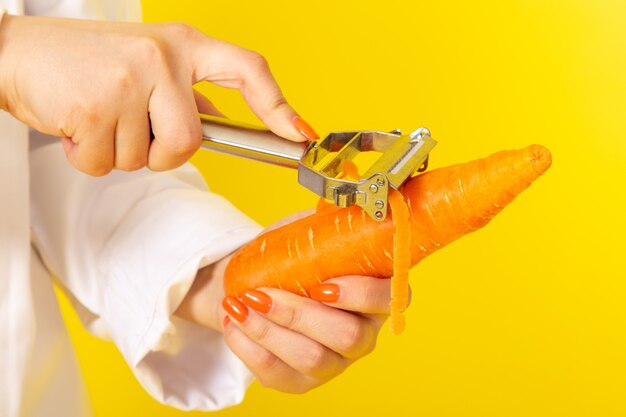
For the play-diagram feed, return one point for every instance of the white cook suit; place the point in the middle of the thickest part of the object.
(125, 247)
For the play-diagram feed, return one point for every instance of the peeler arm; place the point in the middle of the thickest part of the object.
(248, 141)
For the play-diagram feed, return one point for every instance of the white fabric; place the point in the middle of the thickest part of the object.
(125, 247)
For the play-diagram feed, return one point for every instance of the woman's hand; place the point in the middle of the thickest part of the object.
(289, 342)
(104, 87)
(293, 343)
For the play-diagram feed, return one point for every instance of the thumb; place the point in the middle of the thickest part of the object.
(228, 65)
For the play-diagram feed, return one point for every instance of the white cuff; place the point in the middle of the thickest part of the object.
(149, 263)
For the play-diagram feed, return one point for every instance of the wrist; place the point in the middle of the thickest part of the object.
(202, 303)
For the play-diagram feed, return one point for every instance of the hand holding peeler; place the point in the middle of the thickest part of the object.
(319, 162)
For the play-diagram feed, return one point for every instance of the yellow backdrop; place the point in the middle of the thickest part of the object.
(524, 318)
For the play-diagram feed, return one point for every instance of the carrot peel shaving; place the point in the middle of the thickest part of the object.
(401, 260)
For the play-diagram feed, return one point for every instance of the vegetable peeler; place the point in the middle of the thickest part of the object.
(319, 162)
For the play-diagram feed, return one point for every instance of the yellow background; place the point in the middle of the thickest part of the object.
(523, 318)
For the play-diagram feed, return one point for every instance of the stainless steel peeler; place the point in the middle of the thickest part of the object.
(320, 162)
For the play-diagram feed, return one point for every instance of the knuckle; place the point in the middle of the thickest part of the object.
(371, 294)
(181, 29)
(313, 359)
(266, 361)
(122, 79)
(151, 49)
(90, 116)
(261, 332)
(187, 144)
(183, 144)
(84, 111)
(95, 166)
(256, 62)
(293, 317)
(376, 299)
(355, 337)
(277, 102)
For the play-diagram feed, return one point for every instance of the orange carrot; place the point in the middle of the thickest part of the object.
(443, 205)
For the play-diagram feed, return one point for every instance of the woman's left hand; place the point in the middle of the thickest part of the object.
(293, 343)
(289, 342)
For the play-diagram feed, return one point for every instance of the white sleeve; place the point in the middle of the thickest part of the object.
(127, 247)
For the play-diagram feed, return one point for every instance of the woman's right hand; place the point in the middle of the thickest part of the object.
(105, 87)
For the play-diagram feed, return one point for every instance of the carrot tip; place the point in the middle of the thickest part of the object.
(541, 158)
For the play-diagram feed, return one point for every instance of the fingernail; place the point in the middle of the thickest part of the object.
(304, 128)
(226, 321)
(235, 309)
(257, 300)
(326, 293)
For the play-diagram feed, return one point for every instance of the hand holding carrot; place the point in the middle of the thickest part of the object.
(293, 343)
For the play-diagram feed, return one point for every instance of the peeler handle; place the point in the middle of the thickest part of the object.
(248, 141)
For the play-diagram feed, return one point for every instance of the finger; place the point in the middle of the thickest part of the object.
(91, 149)
(132, 141)
(363, 294)
(205, 106)
(350, 335)
(228, 65)
(175, 125)
(266, 366)
(295, 349)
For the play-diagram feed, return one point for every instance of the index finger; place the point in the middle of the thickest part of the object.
(363, 294)
(231, 66)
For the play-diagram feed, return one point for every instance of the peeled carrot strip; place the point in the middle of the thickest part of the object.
(401, 259)
(444, 204)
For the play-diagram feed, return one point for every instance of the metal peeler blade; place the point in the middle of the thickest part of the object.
(320, 162)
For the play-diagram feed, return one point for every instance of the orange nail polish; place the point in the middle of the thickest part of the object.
(235, 308)
(257, 300)
(304, 128)
(326, 293)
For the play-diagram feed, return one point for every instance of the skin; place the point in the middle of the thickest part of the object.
(103, 86)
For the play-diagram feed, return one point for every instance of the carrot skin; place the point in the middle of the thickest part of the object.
(444, 204)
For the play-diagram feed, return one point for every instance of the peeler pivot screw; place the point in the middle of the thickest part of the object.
(379, 204)
(380, 182)
(379, 215)
(374, 188)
